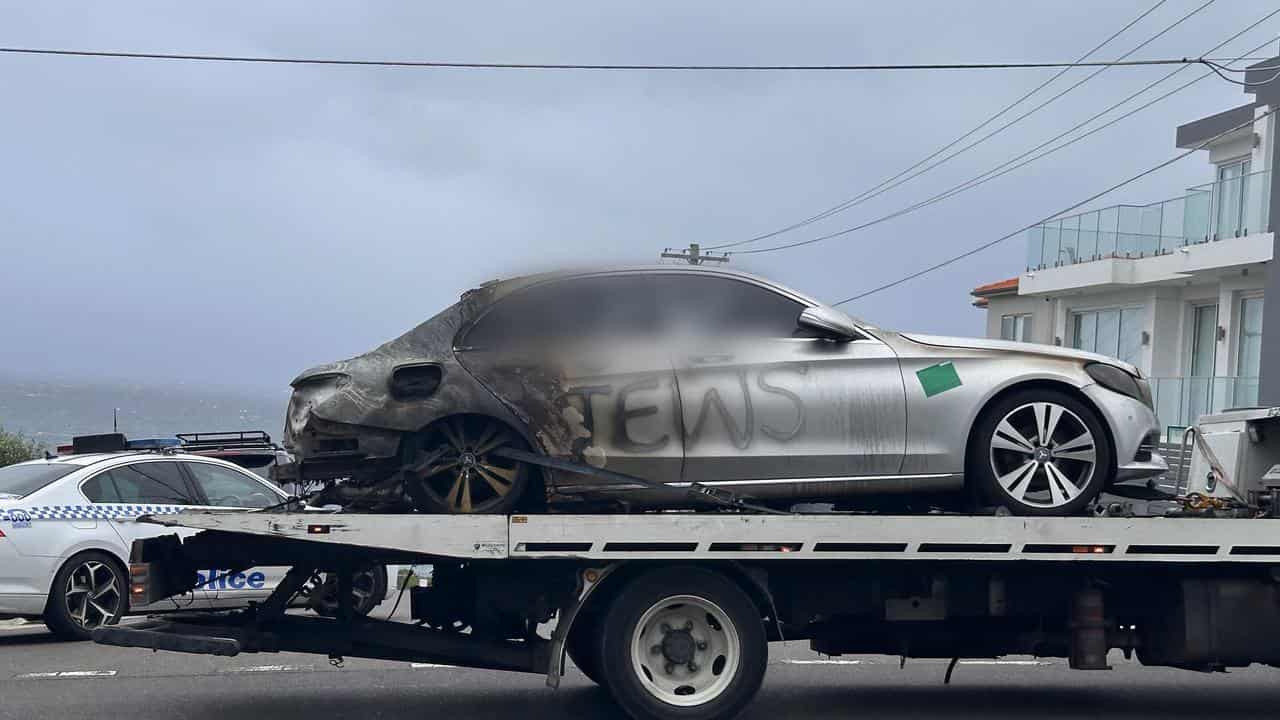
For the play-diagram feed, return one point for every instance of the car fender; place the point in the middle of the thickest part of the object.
(939, 422)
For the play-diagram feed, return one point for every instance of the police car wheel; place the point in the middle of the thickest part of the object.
(368, 590)
(89, 591)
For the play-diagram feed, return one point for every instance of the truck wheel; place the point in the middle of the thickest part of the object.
(88, 592)
(683, 643)
(1040, 452)
(583, 647)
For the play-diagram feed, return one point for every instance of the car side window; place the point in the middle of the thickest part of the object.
(145, 483)
(100, 489)
(586, 308)
(710, 306)
(227, 488)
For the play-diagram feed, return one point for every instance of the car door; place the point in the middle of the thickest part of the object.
(225, 488)
(768, 404)
(123, 492)
(578, 357)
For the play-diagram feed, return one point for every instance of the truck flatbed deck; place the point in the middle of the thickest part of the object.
(718, 536)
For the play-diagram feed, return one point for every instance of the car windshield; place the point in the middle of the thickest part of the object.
(18, 481)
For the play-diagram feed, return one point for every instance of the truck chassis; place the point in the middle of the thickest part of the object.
(672, 612)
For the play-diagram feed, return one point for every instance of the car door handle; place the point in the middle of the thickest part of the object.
(709, 359)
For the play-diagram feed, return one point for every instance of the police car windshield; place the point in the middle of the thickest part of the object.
(17, 481)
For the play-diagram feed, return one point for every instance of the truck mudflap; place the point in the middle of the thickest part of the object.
(229, 634)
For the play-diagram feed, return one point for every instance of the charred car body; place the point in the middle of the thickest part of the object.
(685, 375)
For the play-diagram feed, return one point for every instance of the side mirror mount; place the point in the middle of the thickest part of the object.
(829, 323)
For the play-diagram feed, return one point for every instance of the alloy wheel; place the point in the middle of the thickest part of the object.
(685, 650)
(93, 595)
(460, 472)
(1043, 455)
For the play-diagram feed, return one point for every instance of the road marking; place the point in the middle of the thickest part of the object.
(927, 661)
(269, 669)
(67, 674)
(423, 666)
(829, 662)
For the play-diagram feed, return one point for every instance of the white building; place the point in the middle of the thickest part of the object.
(1175, 287)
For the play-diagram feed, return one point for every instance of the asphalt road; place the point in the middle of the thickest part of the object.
(44, 678)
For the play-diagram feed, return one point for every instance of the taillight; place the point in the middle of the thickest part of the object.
(1, 533)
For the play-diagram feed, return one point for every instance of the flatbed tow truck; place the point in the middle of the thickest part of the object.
(673, 612)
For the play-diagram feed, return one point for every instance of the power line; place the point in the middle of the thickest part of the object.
(1219, 69)
(1064, 211)
(983, 178)
(898, 179)
(451, 65)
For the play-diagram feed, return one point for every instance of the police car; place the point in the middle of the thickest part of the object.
(66, 530)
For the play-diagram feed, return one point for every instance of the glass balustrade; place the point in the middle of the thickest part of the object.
(1180, 400)
(1229, 208)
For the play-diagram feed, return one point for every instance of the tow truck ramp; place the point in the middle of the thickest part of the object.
(672, 612)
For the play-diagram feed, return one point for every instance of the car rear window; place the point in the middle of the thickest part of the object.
(21, 480)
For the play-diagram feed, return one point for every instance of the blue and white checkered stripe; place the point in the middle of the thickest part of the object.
(87, 512)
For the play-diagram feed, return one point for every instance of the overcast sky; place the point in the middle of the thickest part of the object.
(230, 224)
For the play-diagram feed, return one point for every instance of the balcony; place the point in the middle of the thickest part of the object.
(1180, 400)
(1217, 211)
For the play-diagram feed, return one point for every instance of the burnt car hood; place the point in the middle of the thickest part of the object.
(968, 343)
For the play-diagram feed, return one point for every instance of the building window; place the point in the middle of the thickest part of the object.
(1116, 332)
(1231, 190)
(1248, 352)
(1015, 327)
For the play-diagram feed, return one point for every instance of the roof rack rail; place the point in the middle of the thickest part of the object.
(237, 439)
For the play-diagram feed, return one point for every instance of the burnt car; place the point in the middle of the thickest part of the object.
(680, 375)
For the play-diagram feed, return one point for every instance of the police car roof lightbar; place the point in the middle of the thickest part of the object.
(114, 442)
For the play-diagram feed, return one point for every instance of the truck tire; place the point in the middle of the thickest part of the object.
(89, 591)
(583, 646)
(1011, 465)
(683, 642)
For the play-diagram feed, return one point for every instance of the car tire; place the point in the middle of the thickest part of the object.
(368, 588)
(1040, 452)
(89, 591)
(466, 479)
(583, 647)
(683, 642)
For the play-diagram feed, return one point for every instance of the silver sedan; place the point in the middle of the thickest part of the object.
(678, 375)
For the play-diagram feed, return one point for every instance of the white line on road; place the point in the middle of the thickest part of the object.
(270, 669)
(67, 674)
(1022, 663)
(830, 662)
(424, 666)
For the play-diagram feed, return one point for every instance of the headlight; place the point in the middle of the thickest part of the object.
(1117, 380)
(414, 382)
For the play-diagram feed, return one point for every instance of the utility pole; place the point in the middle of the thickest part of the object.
(694, 255)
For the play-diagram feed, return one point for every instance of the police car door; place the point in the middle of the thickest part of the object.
(148, 486)
(224, 488)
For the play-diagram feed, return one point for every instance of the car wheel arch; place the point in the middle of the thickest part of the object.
(1074, 391)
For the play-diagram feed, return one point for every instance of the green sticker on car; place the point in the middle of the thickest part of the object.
(938, 378)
